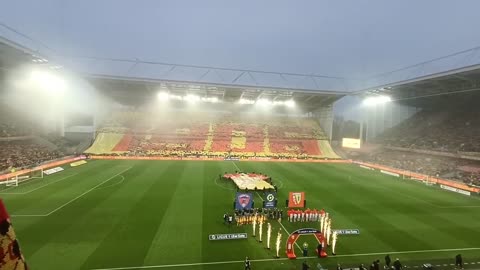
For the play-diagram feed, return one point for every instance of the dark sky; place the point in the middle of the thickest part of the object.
(343, 38)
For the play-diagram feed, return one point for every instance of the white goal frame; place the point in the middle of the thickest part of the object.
(19, 178)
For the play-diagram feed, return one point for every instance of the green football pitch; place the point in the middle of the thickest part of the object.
(159, 214)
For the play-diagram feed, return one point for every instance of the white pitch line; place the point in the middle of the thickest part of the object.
(280, 259)
(259, 196)
(235, 164)
(53, 182)
(288, 234)
(114, 184)
(74, 199)
(86, 192)
(34, 215)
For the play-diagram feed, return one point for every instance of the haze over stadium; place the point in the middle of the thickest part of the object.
(221, 135)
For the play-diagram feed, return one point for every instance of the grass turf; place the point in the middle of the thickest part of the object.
(110, 214)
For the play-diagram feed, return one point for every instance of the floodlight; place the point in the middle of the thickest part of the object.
(213, 99)
(264, 101)
(175, 97)
(163, 96)
(246, 101)
(47, 81)
(290, 103)
(191, 98)
(372, 101)
(278, 103)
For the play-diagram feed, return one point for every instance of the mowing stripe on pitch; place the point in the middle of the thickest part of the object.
(74, 199)
(283, 259)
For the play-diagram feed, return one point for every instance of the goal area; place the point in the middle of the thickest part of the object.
(23, 177)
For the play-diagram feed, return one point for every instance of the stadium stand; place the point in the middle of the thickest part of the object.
(444, 167)
(445, 131)
(23, 154)
(135, 133)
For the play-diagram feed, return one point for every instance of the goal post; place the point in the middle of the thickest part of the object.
(429, 181)
(23, 177)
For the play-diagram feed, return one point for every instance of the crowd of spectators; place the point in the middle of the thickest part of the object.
(446, 131)
(437, 166)
(24, 154)
(12, 130)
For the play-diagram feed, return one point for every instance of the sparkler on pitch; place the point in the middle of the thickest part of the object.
(325, 224)
(279, 239)
(329, 231)
(260, 230)
(322, 222)
(269, 234)
(254, 224)
(334, 241)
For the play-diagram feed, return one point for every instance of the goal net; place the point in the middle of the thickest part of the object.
(23, 177)
(427, 180)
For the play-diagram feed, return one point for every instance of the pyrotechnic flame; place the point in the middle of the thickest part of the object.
(279, 239)
(334, 241)
(260, 230)
(269, 234)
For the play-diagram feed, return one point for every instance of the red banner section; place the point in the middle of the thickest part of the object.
(44, 166)
(296, 199)
(421, 177)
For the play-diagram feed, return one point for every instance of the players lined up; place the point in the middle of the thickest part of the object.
(305, 215)
(248, 216)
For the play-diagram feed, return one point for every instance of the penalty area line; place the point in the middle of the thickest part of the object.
(42, 186)
(86, 192)
(281, 259)
(72, 200)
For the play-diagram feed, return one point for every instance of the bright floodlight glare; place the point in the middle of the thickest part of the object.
(163, 96)
(372, 101)
(246, 101)
(264, 101)
(210, 99)
(290, 103)
(47, 81)
(191, 98)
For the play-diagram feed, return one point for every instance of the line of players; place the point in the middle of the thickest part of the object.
(243, 217)
(305, 215)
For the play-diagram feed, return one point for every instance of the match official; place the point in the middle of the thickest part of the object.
(247, 264)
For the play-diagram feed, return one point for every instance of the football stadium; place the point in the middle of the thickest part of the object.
(120, 163)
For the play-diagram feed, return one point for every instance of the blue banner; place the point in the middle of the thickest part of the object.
(270, 200)
(243, 200)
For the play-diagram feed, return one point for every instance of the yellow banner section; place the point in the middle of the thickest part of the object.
(78, 163)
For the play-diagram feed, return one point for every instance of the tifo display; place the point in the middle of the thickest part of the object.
(247, 214)
(250, 181)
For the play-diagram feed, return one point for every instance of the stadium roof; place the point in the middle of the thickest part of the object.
(459, 72)
(230, 85)
(415, 91)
